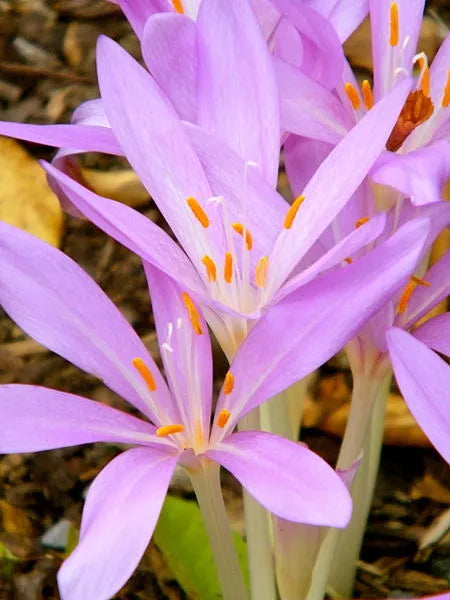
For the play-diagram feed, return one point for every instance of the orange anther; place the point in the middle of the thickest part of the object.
(406, 296)
(228, 384)
(198, 211)
(228, 267)
(367, 94)
(420, 281)
(178, 6)
(193, 313)
(239, 228)
(292, 212)
(425, 82)
(145, 373)
(352, 95)
(361, 221)
(261, 271)
(394, 29)
(446, 97)
(166, 430)
(223, 418)
(210, 267)
(348, 260)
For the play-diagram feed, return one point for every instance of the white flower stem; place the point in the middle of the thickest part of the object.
(206, 482)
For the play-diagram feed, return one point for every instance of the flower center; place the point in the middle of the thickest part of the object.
(417, 109)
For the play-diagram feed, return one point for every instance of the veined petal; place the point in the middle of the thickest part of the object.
(439, 72)
(155, 144)
(288, 479)
(327, 312)
(302, 158)
(120, 514)
(420, 174)
(308, 108)
(132, 229)
(138, 11)
(37, 418)
(346, 15)
(185, 350)
(169, 48)
(237, 94)
(425, 297)
(58, 304)
(435, 333)
(424, 380)
(91, 112)
(336, 180)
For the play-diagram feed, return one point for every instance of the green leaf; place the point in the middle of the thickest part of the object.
(181, 536)
(7, 560)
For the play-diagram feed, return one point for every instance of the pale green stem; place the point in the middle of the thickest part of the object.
(206, 482)
(259, 545)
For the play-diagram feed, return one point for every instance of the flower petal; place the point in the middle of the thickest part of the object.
(58, 304)
(238, 96)
(287, 478)
(424, 380)
(346, 15)
(36, 418)
(435, 333)
(120, 514)
(185, 352)
(327, 312)
(169, 48)
(138, 11)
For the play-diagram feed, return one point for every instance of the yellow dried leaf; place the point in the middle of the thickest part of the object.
(122, 185)
(14, 520)
(26, 200)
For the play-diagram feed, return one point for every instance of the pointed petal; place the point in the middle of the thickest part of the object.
(120, 514)
(424, 380)
(169, 48)
(439, 72)
(419, 175)
(238, 96)
(435, 333)
(327, 312)
(186, 354)
(138, 11)
(347, 15)
(425, 297)
(132, 229)
(37, 418)
(59, 305)
(285, 477)
(155, 144)
(336, 180)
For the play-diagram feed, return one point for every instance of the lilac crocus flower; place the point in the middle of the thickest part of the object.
(55, 301)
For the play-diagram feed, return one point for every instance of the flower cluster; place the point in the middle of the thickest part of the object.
(282, 285)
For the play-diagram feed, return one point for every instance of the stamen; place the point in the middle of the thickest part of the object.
(239, 228)
(425, 82)
(198, 211)
(367, 94)
(352, 95)
(210, 267)
(228, 267)
(223, 418)
(348, 260)
(394, 32)
(261, 271)
(166, 430)
(417, 109)
(292, 212)
(420, 281)
(193, 313)
(361, 222)
(145, 373)
(406, 296)
(228, 384)
(178, 6)
(446, 98)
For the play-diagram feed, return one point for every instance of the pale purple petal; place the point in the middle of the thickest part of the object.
(419, 175)
(311, 324)
(302, 158)
(439, 72)
(119, 516)
(91, 112)
(425, 297)
(186, 355)
(169, 48)
(138, 11)
(155, 144)
(237, 94)
(130, 228)
(435, 333)
(37, 418)
(58, 304)
(336, 180)
(385, 57)
(288, 479)
(308, 108)
(424, 380)
(346, 15)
